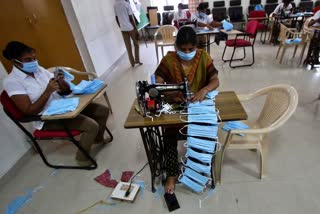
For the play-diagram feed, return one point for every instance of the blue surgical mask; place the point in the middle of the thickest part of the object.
(204, 145)
(202, 157)
(235, 125)
(201, 103)
(195, 130)
(200, 110)
(191, 184)
(200, 179)
(186, 56)
(29, 67)
(212, 94)
(202, 14)
(201, 118)
(199, 167)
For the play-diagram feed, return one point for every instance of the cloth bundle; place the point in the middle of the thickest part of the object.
(88, 87)
(61, 106)
(201, 143)
(293, 41)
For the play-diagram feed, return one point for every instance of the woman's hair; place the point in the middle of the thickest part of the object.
(286, 1)
(15, 50)
(186, 35)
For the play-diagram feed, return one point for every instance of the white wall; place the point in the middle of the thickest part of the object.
(96, 33)
(13, 141)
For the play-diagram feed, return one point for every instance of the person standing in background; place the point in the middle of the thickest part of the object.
(125, 20)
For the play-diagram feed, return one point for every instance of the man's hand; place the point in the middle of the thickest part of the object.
(200, 95)
(52, 86)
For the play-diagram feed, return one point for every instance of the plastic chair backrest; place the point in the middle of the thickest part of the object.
(219, 13)
(269, 8)
(306, 6)
(235, 13)
(167, 32)
(280, 104)
(235, 2)
(252, 28)
(272, 1)
(168, 8)
(167, 18)
(218, 4)
(254, 2)
(10, 107)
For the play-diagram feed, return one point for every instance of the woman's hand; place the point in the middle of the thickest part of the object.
(200, 95)
(52, 86)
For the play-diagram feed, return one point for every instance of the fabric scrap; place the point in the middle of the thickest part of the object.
(126, 176)
(106, 180)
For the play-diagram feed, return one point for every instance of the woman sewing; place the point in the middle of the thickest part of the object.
(197, 66)
(31, 88)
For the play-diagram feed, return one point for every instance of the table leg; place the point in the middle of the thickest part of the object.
(208, 43)
(153, 144)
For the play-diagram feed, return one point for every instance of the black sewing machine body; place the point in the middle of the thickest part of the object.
(150, 96)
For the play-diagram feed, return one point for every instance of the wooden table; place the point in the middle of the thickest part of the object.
(85, 100)
(228, 104)
(231, 32)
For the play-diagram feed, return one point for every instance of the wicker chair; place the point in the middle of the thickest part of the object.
(281, 102)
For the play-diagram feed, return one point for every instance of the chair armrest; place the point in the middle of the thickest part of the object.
(250, 131)
(242, 34)
(245, 97)
(94, 75)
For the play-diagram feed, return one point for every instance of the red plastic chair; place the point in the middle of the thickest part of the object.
(263, 20)
(19, 118)
(247, 40)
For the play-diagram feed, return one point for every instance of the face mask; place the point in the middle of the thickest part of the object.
(202, 157)
(186, 56)
(29, 67)
(200, 110)
(212, 94)
(201, 118)
(202, 180)
(202, 14)
(199, 167)
(202, 103)
(195, 130)
(203, 145)
(191, 184)
(235, 125)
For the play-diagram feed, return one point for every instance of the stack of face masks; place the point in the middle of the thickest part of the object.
(227, 25)
(235, 125)
(201, 143)
(68, 78)
(62, 106)
(88, 87)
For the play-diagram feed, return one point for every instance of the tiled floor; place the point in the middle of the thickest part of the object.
(292, 166)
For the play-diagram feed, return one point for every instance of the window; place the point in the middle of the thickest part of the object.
(161, 3)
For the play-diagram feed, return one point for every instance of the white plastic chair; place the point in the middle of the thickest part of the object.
(281, 102)
(90, 75)
(167, 33)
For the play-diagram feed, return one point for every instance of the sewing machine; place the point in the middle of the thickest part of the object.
(150, 95)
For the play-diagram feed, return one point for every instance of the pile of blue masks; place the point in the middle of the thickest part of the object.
(227, 25)
(88, 87)
(235, 125)
(61, 106)
(202, 132)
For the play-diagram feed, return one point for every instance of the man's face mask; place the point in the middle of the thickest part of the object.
(29, 67)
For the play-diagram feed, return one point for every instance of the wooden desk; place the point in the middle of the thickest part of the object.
(231, 32)
(85, 100)
(227, 103)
